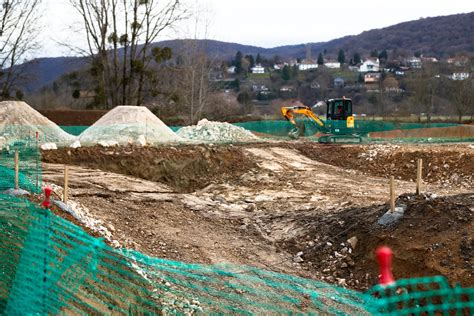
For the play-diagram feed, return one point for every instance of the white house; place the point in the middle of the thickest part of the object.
(231, 70)
(370, 65)
(332, 64)
(459, 76)
(307, 65)
(414, 62)
(257, 69)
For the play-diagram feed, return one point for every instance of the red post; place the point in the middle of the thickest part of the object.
(384, 258)
(47, 198)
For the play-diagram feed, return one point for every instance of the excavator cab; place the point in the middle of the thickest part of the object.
(338, 109)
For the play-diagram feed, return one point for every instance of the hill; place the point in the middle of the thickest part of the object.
(435, 36)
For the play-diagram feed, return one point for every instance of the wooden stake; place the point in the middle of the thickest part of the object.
(418, 176)
(392, 194)
(17, 170)
(66, 183)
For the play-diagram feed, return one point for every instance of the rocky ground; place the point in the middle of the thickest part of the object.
(299, 208)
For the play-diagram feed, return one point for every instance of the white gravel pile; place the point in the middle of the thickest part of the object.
(208, 131)
(19, 121)
(372, 151)
(128, 125)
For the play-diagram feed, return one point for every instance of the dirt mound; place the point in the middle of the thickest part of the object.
(128, 124)
(449, 165)
(19, 121)
(461, 132)
(220, 132)
(434, 237)
(185, 168)
(74, 117)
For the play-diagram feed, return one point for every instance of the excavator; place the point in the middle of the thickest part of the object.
(339, 126)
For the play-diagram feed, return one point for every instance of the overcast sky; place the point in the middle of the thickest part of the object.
(270, 23)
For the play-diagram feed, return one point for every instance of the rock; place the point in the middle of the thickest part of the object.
(75, 144)
(263, 198)
(141, 140)
(341, 282)
(297, 258)
(344, 265)
(250, 207)
(49, 146)
(108, 143)
(353, 241)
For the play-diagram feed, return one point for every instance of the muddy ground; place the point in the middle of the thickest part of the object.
(299, 208)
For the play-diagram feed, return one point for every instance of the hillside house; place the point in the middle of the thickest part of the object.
(459, 61)
(459, 76)
(259, 88)
(391, 84)
(371, 64)
(231, 70)
(315, 85)
(287, 89)
(332, 64)
(429, 59)
(414, 62)
(372, 77)
(257, 69)
(307, 65)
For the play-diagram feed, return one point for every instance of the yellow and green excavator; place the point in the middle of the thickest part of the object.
(339, 126)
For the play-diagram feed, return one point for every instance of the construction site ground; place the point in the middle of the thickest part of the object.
(300, 207)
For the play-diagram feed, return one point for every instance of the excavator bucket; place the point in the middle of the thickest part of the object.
(298, 130)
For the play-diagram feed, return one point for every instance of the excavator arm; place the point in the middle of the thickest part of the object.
(289, 113)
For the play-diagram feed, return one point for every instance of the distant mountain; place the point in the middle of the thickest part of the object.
(436, 36)
(43, 72)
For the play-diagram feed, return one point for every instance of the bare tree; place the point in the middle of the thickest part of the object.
(18, 33)
(119, 35)
(463, 97)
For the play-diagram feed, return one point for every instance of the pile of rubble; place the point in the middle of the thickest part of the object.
(220, 132)
(128, 125)
(20, 122)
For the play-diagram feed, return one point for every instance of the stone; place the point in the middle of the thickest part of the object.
(353, 241)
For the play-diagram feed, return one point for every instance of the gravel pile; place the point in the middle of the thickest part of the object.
(19, 121)
(208, 131)
(128, 125)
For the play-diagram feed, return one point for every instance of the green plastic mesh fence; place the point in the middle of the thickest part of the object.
(362, 127)
(51, 266)
(74, 130)
(29, 165)
(422, 296)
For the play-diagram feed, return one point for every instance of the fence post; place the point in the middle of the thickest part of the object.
(418, 175)
(66, 183)
(17, 170)
(392, 194)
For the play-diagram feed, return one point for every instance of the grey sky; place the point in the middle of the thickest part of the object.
(270, 23)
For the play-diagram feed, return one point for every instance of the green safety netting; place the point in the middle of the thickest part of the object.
(364, 128)
(29, 166)
(49, 265)
(74, 130)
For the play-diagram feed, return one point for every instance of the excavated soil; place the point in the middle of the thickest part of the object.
(443, 164)
(185, 168)
(286, 207)
(434, 237)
